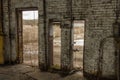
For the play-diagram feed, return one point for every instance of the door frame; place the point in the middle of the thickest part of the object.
(20, 31)
(51, 22)
(72, 36)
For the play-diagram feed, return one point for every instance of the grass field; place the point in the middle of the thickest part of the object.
(30, 47)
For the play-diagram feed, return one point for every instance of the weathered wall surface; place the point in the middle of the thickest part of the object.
(17, 4)
(57, 10)
(6, 31)
(99, 18)
(108, 62)
(10, 28)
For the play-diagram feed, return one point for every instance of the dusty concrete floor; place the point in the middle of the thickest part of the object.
(24, 72)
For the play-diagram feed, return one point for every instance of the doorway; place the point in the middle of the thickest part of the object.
(55, 45)
(28, 36)
(78, 44)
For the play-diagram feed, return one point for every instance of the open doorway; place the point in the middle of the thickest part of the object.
(55, 44)
(78, 33)
(30, 37)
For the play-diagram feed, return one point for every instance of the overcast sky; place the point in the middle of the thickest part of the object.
(28, 15)
(79, 23)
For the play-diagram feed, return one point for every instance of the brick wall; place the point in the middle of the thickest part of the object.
(6, 31)
(99, 18)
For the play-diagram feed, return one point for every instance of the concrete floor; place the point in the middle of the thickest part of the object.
(24, 72)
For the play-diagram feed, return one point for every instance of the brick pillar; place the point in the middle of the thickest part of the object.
(66, 53)
(6, 31)
(42, 37)
(13, 33)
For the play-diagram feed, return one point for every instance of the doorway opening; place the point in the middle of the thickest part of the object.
(55, 35)
(30, 37)
(78, 47)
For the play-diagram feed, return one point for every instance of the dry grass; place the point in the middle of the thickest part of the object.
(30, 43)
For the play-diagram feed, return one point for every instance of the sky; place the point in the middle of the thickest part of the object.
(79, 23)
(29, 15)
